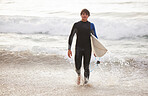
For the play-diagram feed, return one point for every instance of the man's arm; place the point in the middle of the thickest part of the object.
(93, 31)
(73, 31)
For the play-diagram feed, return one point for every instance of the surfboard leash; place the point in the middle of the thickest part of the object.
(96, 64)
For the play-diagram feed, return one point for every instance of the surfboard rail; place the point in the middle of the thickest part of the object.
(98, 49)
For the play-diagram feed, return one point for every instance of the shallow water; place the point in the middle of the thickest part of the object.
(27, 74)
(30, 68)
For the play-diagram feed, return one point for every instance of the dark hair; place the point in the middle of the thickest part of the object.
(85, 11)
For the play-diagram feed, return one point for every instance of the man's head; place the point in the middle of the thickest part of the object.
(85, 14)
(85, 11)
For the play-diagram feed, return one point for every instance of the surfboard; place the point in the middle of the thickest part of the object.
(98, 49)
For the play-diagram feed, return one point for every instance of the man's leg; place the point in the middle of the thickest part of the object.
(78, 63)
(87, 57)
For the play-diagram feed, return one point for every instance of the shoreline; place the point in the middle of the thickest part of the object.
(23, 73)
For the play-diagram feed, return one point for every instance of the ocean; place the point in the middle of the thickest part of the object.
(43, 27)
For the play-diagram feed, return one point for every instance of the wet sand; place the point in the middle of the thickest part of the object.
(27, 74)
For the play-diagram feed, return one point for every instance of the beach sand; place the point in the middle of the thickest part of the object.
(27, 74)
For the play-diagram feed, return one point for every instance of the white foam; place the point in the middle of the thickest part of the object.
(106, 28)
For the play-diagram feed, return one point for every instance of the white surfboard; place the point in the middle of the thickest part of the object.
(98, 49)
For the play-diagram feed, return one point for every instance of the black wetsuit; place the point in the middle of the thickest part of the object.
(83, 45)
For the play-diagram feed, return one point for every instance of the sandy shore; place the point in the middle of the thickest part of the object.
(25, 74)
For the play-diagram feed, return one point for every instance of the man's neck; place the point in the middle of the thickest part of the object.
(84, 20)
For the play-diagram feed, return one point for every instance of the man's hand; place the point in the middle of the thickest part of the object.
(69, 53)
(95, 55)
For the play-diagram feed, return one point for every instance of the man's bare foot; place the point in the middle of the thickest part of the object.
(85, 81)
(78, 80)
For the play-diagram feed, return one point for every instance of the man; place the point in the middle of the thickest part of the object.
(83, 29)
